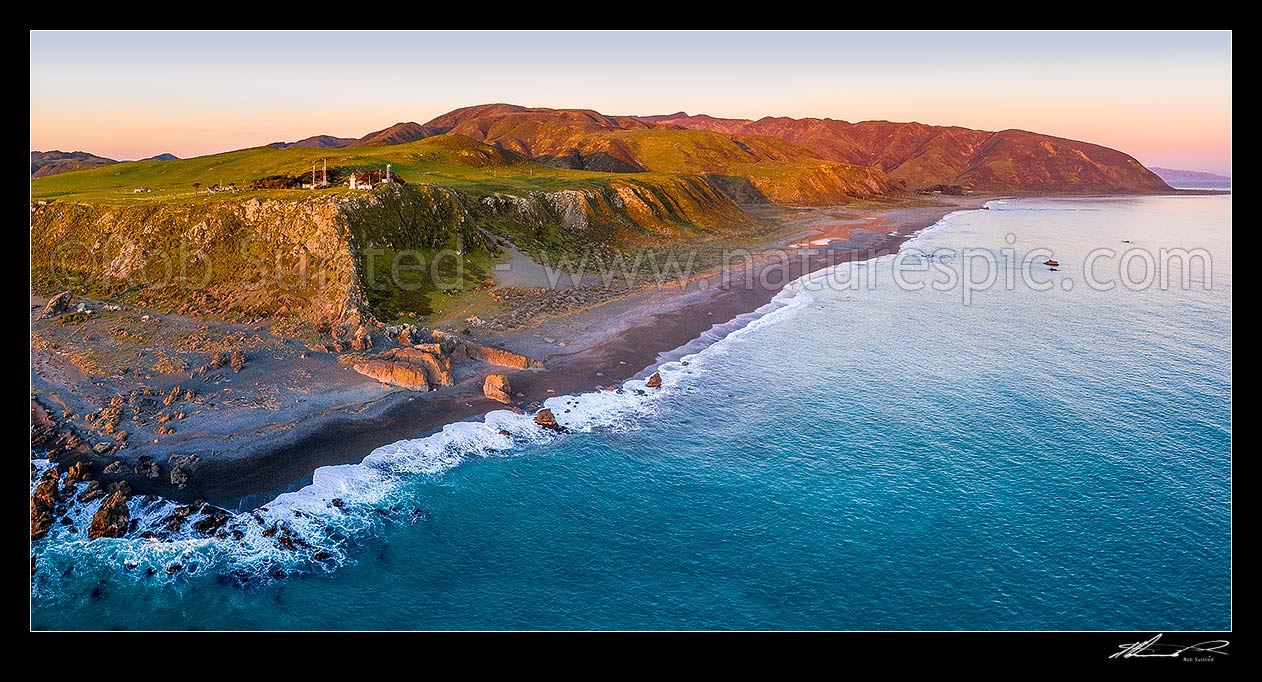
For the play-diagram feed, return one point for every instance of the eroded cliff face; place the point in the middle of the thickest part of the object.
(828, 184)
(307, 260)
(232, 259)
(665, 207)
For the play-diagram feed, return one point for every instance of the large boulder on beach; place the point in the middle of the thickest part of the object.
(460, 351)
(406, 375)
(110, 521)
(503, 358)
(654, 381)
(57, 304)
(496, 388)
(408, 367)
(436, 367)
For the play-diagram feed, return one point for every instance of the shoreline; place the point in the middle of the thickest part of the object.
(265, 427)
(612, 342)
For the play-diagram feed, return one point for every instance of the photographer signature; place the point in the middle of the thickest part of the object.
(1154, 649)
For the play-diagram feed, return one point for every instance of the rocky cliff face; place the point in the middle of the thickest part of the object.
(229, 259)
(308, 260)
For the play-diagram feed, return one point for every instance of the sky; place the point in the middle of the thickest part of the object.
(1163, 97)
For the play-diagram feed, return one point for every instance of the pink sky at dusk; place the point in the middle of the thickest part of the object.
(1164, 98)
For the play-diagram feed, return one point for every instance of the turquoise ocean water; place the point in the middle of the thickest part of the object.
(854, 459)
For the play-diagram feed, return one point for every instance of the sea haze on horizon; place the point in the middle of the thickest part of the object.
(872, 459)
(1163, 97)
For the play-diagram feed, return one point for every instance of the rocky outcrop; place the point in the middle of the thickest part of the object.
(181, 465)
(93, 491)
(654, 381)
(79, 471)
(146, 467)
(43, 426)
(437, 367)
(457, 350)
(216, 361)
(496, 388)
(236, 360)
(503, 358)
(409, 368)
(211, 521)
(547, 420)
(57, 305)
(404, 374)
(110, 521)
(362, 340)
(44, 503)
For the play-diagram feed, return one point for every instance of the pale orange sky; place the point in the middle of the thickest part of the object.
(1165, 98)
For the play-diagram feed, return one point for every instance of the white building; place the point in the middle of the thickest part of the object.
(371, 178)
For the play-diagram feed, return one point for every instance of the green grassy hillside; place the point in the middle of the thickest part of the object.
(781, 172)
(751, 167)
(450, 160)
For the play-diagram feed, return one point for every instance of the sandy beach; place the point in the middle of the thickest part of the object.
(265, 429)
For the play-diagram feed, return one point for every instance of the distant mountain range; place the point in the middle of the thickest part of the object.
(316, 142)
(913, 155)
(1191, 178)
(778, 159)
(920, 155)
(56, 161)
